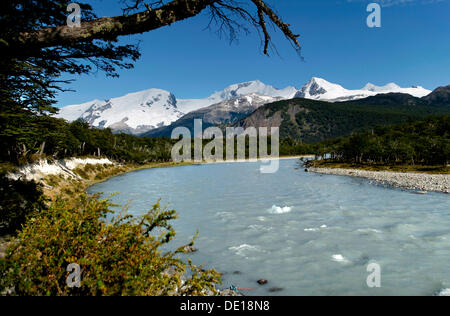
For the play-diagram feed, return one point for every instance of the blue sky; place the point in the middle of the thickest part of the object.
(411, 48)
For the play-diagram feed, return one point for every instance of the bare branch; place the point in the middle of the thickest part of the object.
(285, 28)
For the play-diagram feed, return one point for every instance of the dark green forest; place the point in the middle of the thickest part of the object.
(26, 138)
(425, 142)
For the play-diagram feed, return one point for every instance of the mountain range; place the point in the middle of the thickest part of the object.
(149, 112)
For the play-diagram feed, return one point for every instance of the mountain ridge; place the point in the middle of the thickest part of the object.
(141, 112)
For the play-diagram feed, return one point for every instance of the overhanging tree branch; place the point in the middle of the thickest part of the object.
(110, 28)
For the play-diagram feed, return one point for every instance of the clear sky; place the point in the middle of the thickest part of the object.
(412, 47)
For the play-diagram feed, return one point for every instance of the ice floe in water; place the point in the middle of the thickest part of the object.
(280, 210)
(339, 258)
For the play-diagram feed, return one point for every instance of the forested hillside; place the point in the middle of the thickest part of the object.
(314, 121)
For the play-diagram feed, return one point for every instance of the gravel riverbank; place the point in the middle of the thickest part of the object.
(407, 180)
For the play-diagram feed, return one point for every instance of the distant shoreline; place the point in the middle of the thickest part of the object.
(258, 160)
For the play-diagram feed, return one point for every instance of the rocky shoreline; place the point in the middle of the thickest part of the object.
(420, 182)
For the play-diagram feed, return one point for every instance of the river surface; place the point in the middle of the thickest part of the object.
(307, 234)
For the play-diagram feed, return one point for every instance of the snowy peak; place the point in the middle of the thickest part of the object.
(246, 103)
(252, 87)
(389, 87)
(236, 91)
(416, 91)
(320, 89)
(316, 88)
(133, 113)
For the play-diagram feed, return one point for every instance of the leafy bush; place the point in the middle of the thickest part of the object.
(18, 200)
(121, 256)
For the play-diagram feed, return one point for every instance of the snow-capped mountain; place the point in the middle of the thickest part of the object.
(140, 112)
(235, 91)
(320, 89)
(225, 112)
(133, 113)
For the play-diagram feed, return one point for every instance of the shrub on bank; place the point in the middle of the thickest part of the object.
(121, 256)
(18, 199)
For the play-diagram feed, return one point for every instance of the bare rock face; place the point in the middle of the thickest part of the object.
(311, 89)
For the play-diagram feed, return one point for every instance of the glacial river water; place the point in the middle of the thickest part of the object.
(307, 234)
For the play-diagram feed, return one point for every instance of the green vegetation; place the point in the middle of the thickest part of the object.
(424, 144)
(122, 256)
(19, 200)
(314, 121)
(26, 138)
